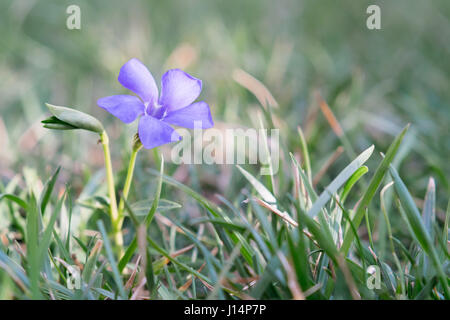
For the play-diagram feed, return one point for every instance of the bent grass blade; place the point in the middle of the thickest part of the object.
(373, 186)
(339, 181)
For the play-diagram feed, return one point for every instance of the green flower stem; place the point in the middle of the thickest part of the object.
(115, 218)
(126, 187)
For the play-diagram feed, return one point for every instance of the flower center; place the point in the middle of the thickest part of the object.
(154, 109)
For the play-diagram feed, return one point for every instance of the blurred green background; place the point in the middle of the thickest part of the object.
(375, 81)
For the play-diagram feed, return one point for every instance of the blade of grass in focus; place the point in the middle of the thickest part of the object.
(372, 188)
(419, 229)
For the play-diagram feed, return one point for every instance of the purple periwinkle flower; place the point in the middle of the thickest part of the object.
(174, 106)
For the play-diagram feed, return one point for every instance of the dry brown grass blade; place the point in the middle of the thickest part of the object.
(310, 120)
(283, 215)
(312, 290)
(31, 136)
(139, 290)
(167, 222)
(182, 57)
(188, 283)
(179, 252)
(97, 248)
(4, 238)
(256, 87)
(142, 249)
(130, 280)
(336, 154)
(246, 280)
(329, 115)
(92, 233)
(206, 284)
(316, 265)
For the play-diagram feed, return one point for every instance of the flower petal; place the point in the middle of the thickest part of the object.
(126, 108)
(178, 89)
(154, 132)
(135, 76)
(197, 114)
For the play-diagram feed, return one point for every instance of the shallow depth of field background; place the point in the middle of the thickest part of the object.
(374, 81)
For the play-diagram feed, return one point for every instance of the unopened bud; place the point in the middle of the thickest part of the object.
(137, 144)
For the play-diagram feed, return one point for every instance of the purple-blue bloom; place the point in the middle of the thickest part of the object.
(174, 106)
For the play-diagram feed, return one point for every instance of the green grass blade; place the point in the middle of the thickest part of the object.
(196, 196)
(112, 260)
(351, 182)
(311, 192)
(14, 270)
(175, 261)
(418, 227)
(143, 207)
(48, 188)
(44, 242)
(342, 177)
(429, 219)
(91, 262)
(446, 226)
(259, 187)
(32, 240)
(15, 199)
(305, 154)
(373, 186)
(322, 237)
(429, 211)
(232, 226)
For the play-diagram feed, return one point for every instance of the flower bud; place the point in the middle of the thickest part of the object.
(71, 119)
(137, 144)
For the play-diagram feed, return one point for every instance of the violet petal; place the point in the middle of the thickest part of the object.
(197, 114)
(178, 89)
(154, 132)
(125, 107)
(135, 76)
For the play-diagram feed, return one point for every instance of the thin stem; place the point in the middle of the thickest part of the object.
(391, 241)
(114, 214)
(305, 154)
(369, 230)
(127, 185)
